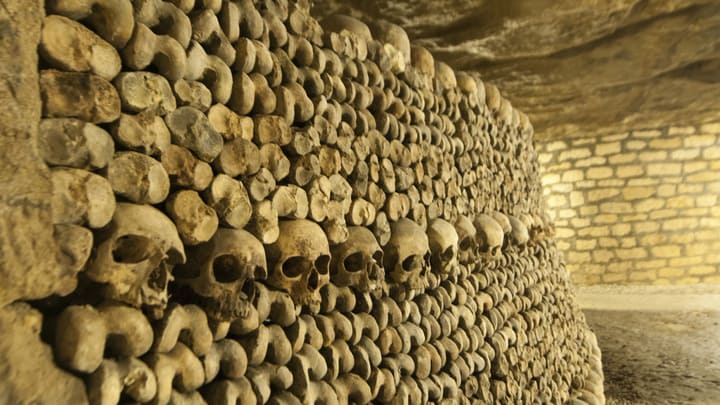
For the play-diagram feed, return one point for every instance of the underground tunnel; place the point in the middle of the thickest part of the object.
(288, 202)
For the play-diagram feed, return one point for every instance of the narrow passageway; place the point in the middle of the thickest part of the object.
(669, 355)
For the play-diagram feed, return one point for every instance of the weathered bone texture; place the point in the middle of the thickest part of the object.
(70, 46)
(134, 257)
(74, 143)
(84, 334)
(81, 197)
(138, 178)
(78, 95)
(305, 213)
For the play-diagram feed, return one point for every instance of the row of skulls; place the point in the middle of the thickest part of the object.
(140, 252)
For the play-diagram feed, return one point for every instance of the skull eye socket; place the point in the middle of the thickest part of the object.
(378, 257)
(294, 266)
(354, 262)
(131, 249)
(466, 244)
(412, 262)
(322, 264)
(447, 254)
(225, 268)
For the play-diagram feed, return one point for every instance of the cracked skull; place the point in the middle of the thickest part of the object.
(407, 255)
(299, 261)
(443, 246)
(135, 255)
(220, 273)
(358, 262)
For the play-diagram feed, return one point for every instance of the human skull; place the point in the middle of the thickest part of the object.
(490, 235)
(135, 255)
(519, 231)
(220, 273)
(466, 235)
(299, 261)
(443, 240)
(503, 220)
(358, 262)
(407, 255)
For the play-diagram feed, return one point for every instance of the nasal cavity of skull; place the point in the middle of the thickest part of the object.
(378, 257)
(225, 269)
(248, 288)
(313, 281)
(132, 249)
(157, 279)
(354, 262)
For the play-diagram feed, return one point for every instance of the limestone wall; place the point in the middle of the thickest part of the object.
(640, 207)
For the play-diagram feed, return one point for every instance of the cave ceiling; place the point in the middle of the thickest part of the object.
(576, 67)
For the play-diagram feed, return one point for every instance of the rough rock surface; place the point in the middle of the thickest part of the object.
(26, 361)
(575, 67)
(28, 268)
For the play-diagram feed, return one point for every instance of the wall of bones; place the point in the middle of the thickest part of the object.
(253, 207)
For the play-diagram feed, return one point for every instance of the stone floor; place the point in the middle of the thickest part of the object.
(667, 352)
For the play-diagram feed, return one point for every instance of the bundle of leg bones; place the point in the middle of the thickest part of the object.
(256, 207)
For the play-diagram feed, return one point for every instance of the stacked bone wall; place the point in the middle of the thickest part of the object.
(639, 207)
(249, 209)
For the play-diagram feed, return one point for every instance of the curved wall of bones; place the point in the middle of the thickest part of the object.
(254, 207)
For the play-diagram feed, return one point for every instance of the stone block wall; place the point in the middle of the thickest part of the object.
(639, 207)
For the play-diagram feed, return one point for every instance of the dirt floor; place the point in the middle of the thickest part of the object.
(667, 356)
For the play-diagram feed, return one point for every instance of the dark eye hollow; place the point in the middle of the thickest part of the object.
(294, 266)
(131, 249)
(226, 269)
(322, 264)
(411, 263)
(447, 254)
(354, 262)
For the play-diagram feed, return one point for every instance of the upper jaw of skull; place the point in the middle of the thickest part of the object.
(357, 263)
(220, 274)
(135, 255)
(300, 261)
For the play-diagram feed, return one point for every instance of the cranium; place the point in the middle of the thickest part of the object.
(407, 255)
(220, 273)
(503, 220)
(490, 235)
(519, 231)
(358, 262)
(443, 246)
(466, 235)
(135, 255)
(299, 261)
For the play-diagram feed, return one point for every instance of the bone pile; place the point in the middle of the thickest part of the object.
(263, 209)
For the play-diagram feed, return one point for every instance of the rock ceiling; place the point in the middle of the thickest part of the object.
(577, 67)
